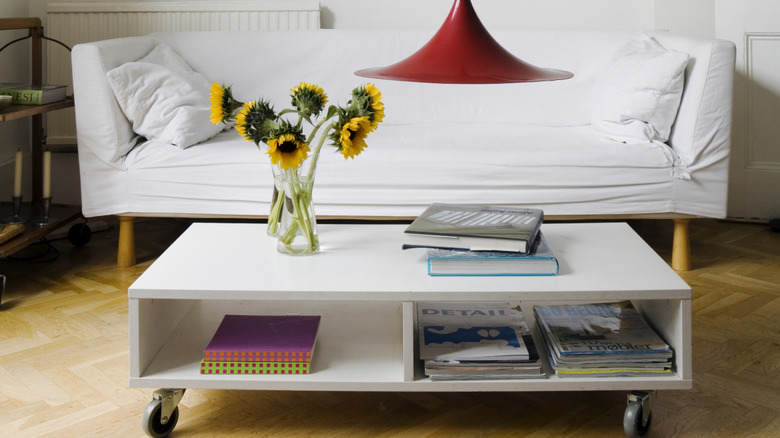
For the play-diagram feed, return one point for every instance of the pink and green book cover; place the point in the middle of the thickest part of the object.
(238, 367)
(263, 338)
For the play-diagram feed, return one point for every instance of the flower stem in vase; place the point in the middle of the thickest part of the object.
(297, 234)
(277, 202)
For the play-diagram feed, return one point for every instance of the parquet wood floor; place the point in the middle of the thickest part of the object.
(64, 358)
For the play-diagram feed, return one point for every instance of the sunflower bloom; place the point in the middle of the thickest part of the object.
(350, 137)
(255, 121)
(367, 101)
(309, 99)
(288, 150)
(376, 105)
(222, 103)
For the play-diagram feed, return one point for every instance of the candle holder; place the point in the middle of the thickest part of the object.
(17, 212)
(45, 207)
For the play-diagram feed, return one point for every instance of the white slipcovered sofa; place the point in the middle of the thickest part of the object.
(641, 130)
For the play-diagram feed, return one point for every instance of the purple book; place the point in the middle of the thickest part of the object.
(266, 338)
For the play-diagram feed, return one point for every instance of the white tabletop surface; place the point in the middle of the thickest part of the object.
(239, 261)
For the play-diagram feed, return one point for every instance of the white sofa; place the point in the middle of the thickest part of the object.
(554, 145)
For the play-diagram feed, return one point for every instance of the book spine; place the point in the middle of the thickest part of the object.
(256, 356)
(238, 367)
(24, 97)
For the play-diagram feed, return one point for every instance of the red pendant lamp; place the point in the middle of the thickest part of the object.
(463, 52)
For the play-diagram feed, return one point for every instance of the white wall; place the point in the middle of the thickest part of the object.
(424, 14)
(429, 14)
(694, 17)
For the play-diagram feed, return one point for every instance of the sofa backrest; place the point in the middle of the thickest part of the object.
(268, 64)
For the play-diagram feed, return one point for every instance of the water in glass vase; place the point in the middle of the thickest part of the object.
(296, 224)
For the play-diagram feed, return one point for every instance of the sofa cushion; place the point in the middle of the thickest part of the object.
(164, 98)
(637, 97)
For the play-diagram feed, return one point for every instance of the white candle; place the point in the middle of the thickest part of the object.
(47, 174)
(18, 174)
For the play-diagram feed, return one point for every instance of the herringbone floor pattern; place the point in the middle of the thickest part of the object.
(64, 358)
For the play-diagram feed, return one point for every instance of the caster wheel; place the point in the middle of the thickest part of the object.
(632, 421)
(152, 423)
(79, 234)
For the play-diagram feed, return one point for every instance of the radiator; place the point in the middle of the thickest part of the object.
(80, 22)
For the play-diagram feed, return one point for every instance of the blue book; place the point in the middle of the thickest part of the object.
(538, 261)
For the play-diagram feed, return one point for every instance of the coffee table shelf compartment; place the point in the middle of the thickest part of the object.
(367, 290)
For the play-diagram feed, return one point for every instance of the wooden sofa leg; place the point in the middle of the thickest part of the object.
(125, 256)
(681, 248)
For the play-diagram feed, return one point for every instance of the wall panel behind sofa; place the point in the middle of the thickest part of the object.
(80, 22)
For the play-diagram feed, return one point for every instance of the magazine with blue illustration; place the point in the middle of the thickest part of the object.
(473, 332)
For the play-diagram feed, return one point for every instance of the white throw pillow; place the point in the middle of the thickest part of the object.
(164, 55)
(637, 96)
(164, 98)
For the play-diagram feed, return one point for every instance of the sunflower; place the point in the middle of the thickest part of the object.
(222, 103)
(376, 105)
(288, 149)
(367, 100)
(349, 135)
(255, 121)
(309, 99)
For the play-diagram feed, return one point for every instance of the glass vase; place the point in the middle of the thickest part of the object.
(296, 228)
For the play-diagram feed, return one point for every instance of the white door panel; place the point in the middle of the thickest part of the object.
(754, 26)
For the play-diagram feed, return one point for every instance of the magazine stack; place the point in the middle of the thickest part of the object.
(476, 341)
(596, 340)
(261, 344)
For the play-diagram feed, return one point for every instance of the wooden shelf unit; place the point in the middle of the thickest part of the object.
(64, 215)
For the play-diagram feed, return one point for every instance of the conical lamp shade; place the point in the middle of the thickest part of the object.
(463, 52)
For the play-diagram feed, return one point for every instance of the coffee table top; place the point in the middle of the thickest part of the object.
(598, 262)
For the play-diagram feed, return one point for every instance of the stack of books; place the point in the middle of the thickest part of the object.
(476, 341)
(602, 340)
(467, 240)
(261, 344)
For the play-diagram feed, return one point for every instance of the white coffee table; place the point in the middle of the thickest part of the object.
(366, 289)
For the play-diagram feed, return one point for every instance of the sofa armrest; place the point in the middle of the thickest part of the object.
(702, 130)
(103, 131)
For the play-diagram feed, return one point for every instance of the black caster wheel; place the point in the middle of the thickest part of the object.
(79, 234)
(152, 422)
(633, 424)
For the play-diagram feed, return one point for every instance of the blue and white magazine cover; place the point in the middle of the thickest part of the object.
(472, 332)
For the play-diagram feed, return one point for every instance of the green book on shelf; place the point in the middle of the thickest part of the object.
(30, 94)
